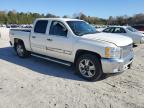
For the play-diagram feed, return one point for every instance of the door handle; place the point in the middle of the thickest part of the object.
(33, 37)
(49, 40)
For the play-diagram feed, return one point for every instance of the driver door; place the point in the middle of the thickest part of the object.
(59, 43)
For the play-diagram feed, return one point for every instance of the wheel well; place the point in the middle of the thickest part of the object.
(82, 52)
(16, 41)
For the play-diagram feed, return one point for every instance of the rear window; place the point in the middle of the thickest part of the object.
(41, 26)
(131, 29)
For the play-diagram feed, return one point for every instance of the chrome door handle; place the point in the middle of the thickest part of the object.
(49, 40)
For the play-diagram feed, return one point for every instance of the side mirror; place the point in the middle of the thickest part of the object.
(64, 29)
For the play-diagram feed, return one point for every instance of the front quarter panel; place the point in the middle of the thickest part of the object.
(92, 45)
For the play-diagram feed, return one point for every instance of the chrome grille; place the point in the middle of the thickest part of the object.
(126, 50)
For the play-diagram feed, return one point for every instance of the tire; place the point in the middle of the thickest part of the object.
(21, 51)
(88, 66)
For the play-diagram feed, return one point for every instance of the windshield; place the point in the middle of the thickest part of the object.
(81, 28)
(132, 29)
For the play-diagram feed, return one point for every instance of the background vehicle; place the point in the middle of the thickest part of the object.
(139, 28)
(72, 41)
(128, 31)
(2, 25)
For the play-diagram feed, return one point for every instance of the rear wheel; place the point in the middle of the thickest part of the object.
(89, 67)
(21, 51)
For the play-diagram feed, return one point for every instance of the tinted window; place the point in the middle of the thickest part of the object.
(109, 30)
(41, 26)
(58, 29)
(119, 30)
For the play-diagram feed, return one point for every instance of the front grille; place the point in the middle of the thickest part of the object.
(126, 50)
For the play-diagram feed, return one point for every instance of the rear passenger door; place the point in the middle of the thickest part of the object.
(38, 37)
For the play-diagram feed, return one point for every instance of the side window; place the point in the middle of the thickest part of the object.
(41, 26)
(123, 30)
(57, 28)
(111, 30)
(107, 30)
(119, 30)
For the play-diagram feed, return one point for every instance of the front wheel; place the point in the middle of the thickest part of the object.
(89, 67)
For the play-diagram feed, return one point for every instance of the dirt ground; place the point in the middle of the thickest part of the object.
(36, 83)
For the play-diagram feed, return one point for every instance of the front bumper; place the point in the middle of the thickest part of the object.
(117, 65)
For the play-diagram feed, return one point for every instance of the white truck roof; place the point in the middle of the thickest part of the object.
(59, 19)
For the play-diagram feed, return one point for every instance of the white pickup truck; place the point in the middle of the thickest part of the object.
(72, 41)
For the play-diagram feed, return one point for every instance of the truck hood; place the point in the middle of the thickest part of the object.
(109, 37)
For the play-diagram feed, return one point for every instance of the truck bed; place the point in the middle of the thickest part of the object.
(23, 34)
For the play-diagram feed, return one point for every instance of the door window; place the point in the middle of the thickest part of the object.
(41, 26)
(109, 30)
(119, 30)
(58, 29)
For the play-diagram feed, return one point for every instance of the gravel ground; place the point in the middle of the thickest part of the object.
(36, 83)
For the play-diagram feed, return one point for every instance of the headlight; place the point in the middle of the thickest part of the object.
(113, 52)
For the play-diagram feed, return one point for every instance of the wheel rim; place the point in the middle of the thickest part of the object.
(87, 68)
(20, 50)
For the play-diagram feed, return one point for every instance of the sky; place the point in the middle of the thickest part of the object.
(98, 8)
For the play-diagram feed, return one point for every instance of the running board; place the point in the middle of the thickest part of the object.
(52, 59)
